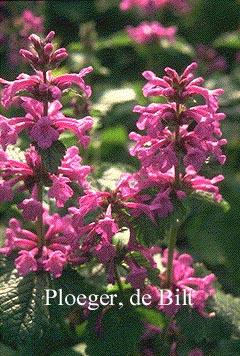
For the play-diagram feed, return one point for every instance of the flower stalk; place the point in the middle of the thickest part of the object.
(172, 238)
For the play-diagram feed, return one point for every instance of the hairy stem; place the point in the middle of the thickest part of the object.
(40, 185)
(118, 279)
(39, 222)
(172, 238)
(172, 233)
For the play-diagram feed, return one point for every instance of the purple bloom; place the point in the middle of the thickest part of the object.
(107, 226)
(8, 134)
(26, 262)
(105, 252)
(60, 190)
(6, 192)
(71, 167)
(43, 133)
(196, 352)
(200, 289)
(31, 209)
(136, 276)
(55, 263)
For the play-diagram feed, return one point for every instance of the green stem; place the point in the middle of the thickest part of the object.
(39, 222)
(172, 237)
(40, 186)
(118, 279)
(177, 148)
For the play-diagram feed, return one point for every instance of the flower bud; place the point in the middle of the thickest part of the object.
(58, 56)
(50, 37)
(36, 41)
(48, 48)
(29, 55)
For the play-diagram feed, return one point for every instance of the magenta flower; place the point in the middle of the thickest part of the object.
(26, 174)
(43, 133)
(26, 262)
(60, 249)
(136, 276)
(200, 289)
(107, 226)
(210, 60)
(150, 32)
(55, 262)
(44, 129)
(44, 121)
(31, 209)
(105, 252)
(6, 192)
(8, 134)
(60, 190)
(71, 167)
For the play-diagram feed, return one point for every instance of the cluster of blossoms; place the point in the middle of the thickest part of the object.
(180, 139)
(150, 32)
(153, 5)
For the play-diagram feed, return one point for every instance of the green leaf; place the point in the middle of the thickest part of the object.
(182, 46)
(209, 198)
(228, 347)
(229, 40)
(152, 316)
(119, 39)
(24, 317)
(52, 156)
(7, 351)
(201, 330)
(228, 307)
(77, 350)
(120, 331)
(150, 233)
